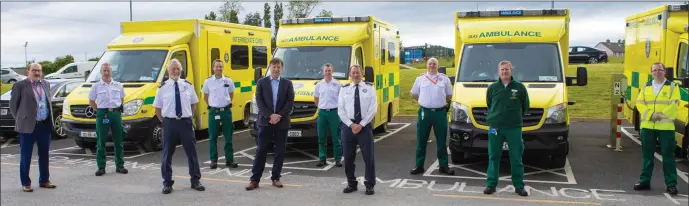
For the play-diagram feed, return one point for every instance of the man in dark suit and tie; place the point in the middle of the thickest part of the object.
(275, 100)
(30, 106)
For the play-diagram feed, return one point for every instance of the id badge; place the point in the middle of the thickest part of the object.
(105, 121)
(493, 131)
(217, 117)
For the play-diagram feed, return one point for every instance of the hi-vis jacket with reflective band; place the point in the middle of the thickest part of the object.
(666, 103)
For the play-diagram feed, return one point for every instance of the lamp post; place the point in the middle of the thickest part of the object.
(130, 10)
(26, 58)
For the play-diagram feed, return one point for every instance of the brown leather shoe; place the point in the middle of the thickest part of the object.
(27, 188)
(48, 185)
(252, 185)
(277, 183)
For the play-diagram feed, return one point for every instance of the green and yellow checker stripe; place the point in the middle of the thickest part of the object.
(248, 86)
(641, 79)
(392, 85)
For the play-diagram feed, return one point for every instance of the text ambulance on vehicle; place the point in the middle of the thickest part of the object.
(306, 44)
(536, 42)
(139, 58)
(658, 35)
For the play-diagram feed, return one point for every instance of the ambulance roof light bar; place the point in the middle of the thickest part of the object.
(319, 20)
(678, 7)
(526, 12)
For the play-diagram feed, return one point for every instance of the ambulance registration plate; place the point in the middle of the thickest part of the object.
(294, 133)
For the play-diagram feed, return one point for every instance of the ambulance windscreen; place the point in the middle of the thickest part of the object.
(531, 62)
(307, 62)
(131, 65)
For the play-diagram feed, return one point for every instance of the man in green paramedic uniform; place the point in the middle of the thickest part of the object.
(218, 92)
(433, 91)
(658, 102)
(507, 101)
(107, 96)
(325, 96)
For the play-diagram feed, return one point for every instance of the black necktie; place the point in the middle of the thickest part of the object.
(357, 105)
(178, 101)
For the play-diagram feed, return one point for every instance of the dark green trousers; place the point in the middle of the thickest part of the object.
(515, 145)
(114, 124)
(329, 120)
(667, 148)
(225, 117)
(427, 119)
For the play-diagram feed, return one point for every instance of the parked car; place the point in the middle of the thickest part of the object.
(9, 76)
(588, 55)
(59, 89)
(74, 70)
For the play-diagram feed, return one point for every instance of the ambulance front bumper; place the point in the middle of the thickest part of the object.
(550, 139)
(135, 130)
(302, 132)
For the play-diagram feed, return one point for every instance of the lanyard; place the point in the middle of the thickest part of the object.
(434, 82)
(39, 92)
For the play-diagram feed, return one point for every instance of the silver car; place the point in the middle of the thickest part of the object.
(8, 76)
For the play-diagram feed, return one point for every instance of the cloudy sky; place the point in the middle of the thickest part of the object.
(82, 29)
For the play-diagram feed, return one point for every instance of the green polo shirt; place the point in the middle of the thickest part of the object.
(506, 104)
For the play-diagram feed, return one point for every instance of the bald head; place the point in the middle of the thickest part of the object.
(35, 71)
(432, 66)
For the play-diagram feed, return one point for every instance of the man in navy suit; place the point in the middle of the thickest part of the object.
(275, 100)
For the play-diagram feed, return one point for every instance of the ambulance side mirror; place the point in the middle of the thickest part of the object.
(257, 74)
(581, 78)
(442, 70)
(368, 74)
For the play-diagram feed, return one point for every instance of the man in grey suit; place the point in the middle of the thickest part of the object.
(31, 109)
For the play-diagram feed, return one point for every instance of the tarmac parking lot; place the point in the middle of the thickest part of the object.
(593, 175)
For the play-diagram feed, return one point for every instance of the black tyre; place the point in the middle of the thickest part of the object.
(592, 60)
(12, 81)
(558, 161)
(57, 127)
(458, 157)
(245, 122)
(154, 141)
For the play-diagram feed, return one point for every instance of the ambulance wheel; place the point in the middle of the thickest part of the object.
(245, 122)
(154, 142)
(558, 161)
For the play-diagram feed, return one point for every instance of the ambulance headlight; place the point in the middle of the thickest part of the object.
(460, 113)
(254, 106)
(132, 107)
(65, 108)
(556, 114)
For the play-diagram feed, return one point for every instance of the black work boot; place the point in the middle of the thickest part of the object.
(100, 172)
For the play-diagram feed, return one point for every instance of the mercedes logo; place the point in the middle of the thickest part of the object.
(89, 112)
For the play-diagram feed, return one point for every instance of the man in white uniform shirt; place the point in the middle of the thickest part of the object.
(433, 92)
(325, 96)
(356, 106)
(175, 102)
(218, 92)
(107, 96)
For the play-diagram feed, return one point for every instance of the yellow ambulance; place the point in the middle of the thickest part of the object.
(658, 35)
(537, 43)
(306, 44)
(139, 58)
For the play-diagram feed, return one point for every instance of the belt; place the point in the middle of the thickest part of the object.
(111, 109)
(220, 108)
(177, 118)
(443, 109)
(327, 110)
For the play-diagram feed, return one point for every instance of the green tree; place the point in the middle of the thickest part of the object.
(266, 15)
(211, 16)
(253, 19)
(277, 16)
(61, 62)
(229, 11)
(325, 13)
(98, 58)
(301, 9)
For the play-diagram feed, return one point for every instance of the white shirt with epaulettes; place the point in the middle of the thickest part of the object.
(327, 93)
(218, 90)
(432, 90)
(107, 95)
(367, 102)
(165, 98)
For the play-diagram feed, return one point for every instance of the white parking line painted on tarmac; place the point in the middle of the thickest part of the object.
(680, 173)
(237, 132)
(330, 164)
(676, 201)
(8, 145)
(567, 169)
